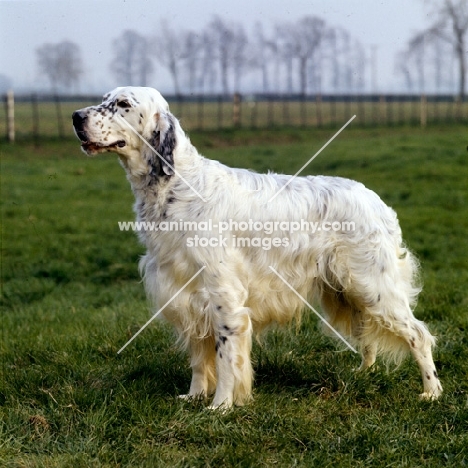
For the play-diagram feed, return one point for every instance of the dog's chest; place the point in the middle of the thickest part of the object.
(149, 214)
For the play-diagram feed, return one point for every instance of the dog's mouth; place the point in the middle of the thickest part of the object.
(94, 147)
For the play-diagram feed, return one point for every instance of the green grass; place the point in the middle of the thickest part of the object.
(71, 297)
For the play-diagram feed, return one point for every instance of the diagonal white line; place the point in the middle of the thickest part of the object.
(313, 157)
(161, 309)
(313, 310)
(159, 156)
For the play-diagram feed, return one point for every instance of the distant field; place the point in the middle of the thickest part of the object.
(71, 297)
(46, 119)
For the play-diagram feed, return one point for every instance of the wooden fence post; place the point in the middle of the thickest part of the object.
(253, 114)
(423, 116)
(383, 110)
(200, 105)
(58, 110)
(35, 118)
(303, 110)
(236, 110)
(361, 111)
(458, 109)
(318, 103)
(10, 103)
(286, 117)
(270, 111)
(220, 112)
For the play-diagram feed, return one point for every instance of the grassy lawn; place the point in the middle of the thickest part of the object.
(71, 297)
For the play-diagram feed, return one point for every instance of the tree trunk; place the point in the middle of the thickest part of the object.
(264, 68)
(175, 78)
(303, 74)
(460, 50)
(289, 70)
(224, 78)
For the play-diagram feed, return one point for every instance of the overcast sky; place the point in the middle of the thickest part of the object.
(24, 25)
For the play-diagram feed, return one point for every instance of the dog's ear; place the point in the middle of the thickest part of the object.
(163, 142)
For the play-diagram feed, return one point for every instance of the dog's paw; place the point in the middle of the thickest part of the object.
(223, 407)
(430, 396)
(192, 398)
(432, 393)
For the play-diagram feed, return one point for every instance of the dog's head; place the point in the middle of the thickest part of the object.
(133, 122)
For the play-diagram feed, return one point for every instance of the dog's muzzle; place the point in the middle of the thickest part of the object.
(79, 118)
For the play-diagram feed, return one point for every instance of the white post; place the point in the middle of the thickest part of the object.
(11, 116)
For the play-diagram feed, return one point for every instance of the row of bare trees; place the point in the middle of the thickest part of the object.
(436, 58)
(305, 56)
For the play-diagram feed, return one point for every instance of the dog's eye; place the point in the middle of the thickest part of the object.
(123, 104)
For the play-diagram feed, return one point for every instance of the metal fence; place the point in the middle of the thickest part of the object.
(35, 117)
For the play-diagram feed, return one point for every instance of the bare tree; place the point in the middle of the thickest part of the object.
(286, 51)
(428, 62)
(190, 55)
(453, 15)
(451, 27)
(230, 50)
(222, 37)
(132, 63)
(335, 47)
(417, 52)
(207, 65)
(301, 41)
(61, 63)
(358, 63)
(168, 48)
(241, 59)
(264, 55)
(412, 62)
(440, 58)
(339, 61)
(260, 57)
(402, 66)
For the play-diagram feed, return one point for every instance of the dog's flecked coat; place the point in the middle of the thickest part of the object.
(364, 278)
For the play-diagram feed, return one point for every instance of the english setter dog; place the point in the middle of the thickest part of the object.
(221, 286)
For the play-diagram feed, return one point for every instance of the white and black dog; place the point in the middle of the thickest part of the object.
(260, 268)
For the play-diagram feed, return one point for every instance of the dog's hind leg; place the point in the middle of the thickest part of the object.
(369, 354)
(348, 320)
(421, 341)
(391, 328)
(401, 331)
(374, 310)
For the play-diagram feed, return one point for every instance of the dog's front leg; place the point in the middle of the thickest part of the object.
(233, 345)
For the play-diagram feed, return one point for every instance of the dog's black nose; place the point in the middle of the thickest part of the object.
(78, 119)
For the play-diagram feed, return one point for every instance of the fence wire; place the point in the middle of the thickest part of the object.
(46, 116)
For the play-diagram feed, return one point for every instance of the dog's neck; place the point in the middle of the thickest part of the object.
(144, 185)
(147, 186)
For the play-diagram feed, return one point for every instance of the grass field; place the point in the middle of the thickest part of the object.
(71, 297)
